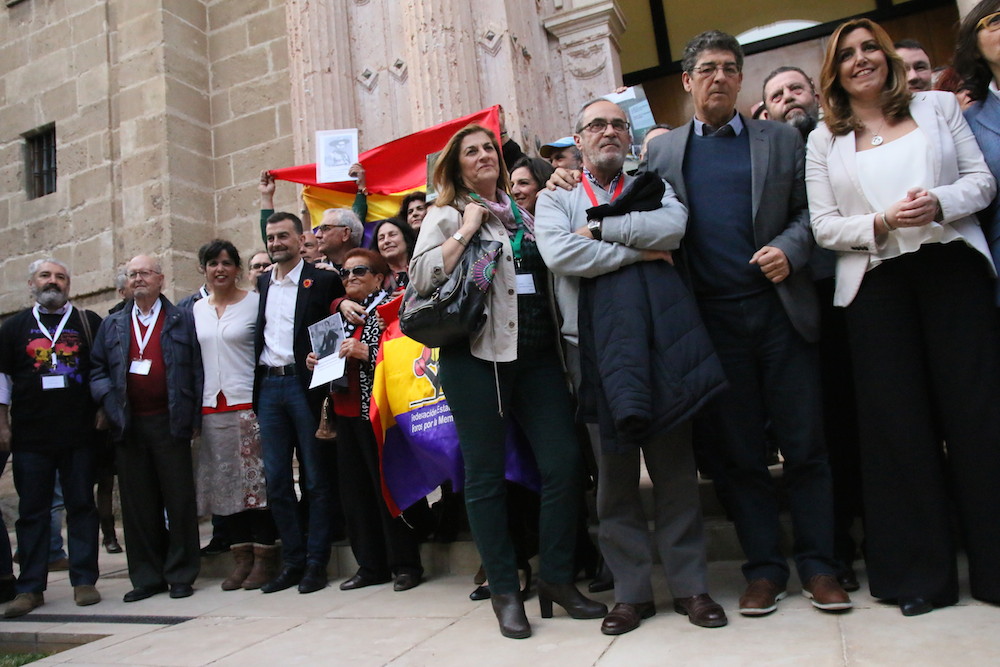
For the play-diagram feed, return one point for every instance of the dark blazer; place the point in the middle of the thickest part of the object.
(984, 119)
(181, 356)
(780, 209)
(317, 289)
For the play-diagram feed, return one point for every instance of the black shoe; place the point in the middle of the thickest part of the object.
(181, 591)
(604, 581)
(288, 577)
(112, 547)
(481, 593)
(915, 606)
(143, 592)
(570, 599)
(848, 580)
(314, 579)
(405, 581)
(360, 581)
(510, 614)
(215, 547)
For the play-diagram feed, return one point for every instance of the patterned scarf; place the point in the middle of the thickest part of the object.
(502, 209)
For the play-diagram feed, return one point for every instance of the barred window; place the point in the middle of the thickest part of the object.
(40, 161)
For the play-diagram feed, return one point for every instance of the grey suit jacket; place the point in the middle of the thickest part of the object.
(780, 209)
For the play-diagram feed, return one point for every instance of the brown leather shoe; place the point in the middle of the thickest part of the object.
(761, 597)
(625, 617)
(826, 594)
(701, 610)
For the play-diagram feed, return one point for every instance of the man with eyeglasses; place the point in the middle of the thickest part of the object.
(338, 232)
(147, 375)
(748, 242)
(260, 262)
(575, 245)
(294, 295)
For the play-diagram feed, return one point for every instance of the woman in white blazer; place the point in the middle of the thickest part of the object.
(894, 180)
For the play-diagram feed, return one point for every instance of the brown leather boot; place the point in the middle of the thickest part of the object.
(265, 566)
(243, 558)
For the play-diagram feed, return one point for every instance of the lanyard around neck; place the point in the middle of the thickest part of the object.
(593, 197)
(141, 340)
(53, 337)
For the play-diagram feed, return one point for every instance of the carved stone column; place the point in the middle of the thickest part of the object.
(588, 42)
(440, 48)
(321, 71)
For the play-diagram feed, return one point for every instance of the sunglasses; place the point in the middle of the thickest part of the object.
(990, 22)
(358, 271)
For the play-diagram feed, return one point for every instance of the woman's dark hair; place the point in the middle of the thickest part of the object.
(968, 62)
(404, 207)
(374, 260)
(839, 116)
(540, 169)
(409, 236)
(213, 249)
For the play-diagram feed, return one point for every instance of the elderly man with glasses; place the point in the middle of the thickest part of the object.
(147, 375)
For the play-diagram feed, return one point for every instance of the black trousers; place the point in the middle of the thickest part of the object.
(381, 544)
(155, 475)
(925, 339)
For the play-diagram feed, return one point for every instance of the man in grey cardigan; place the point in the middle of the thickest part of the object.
(573, 248)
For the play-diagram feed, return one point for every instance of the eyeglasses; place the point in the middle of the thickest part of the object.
(259, 267)
(599, 125)
(325, 228)
(144, 274)
(357, 271)
(731, 70)
(989, 22)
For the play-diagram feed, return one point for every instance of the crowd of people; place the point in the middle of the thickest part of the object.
(820, 280)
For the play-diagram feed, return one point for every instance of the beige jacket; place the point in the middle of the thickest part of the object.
(497, 340)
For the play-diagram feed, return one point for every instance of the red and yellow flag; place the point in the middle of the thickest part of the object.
(393, 170)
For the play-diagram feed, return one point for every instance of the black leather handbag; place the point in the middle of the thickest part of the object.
(456, 309)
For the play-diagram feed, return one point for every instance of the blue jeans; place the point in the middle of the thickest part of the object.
(34, 478)
(287, 423)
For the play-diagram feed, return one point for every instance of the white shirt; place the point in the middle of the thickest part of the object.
(227, 349)
(886, 174)
(149, 318)
(279, 319)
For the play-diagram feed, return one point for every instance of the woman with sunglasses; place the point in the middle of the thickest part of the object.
(894, 181)
(509, 368)
(385, 548)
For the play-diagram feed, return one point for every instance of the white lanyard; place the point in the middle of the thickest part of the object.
(140, 340)
(59, 329)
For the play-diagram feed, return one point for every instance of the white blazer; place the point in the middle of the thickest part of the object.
(843, 219)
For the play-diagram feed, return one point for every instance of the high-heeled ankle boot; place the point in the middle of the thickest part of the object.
(569, 598)
(510, 614)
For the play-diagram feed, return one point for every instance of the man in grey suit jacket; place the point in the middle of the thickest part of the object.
(746, 249)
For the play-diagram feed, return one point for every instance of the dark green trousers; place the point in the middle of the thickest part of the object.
(534, 393)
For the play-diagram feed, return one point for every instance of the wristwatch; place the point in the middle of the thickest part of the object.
(461, 239)
(595, 228)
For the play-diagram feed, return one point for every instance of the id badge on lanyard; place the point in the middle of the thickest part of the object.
(141, 366)
(52, 380)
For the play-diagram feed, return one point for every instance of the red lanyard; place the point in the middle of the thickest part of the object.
(593, 197)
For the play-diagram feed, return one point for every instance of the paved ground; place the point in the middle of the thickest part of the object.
(436, 624)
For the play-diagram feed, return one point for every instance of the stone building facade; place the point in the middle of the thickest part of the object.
(165, 111)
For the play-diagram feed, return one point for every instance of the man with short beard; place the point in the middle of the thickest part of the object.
(790, 97)
(574, 248)
(45, 353)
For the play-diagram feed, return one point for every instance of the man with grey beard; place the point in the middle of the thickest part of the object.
(47, 419)
(575, 245)
(790, 97)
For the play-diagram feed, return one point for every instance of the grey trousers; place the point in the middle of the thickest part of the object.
(623, 534)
